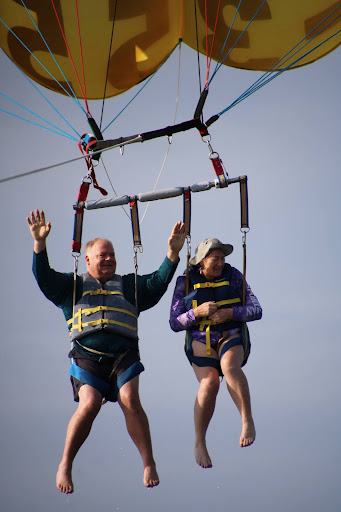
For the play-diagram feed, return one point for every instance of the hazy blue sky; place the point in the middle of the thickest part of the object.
(286, 138)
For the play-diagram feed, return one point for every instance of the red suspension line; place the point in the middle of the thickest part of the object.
(68, 50)
(209, 58)
(82, 61)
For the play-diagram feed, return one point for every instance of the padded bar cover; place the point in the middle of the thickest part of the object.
(106, 202)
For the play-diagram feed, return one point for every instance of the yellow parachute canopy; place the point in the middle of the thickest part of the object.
(143, 33)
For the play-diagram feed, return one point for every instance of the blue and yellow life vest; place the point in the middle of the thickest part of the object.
(218, 291)
(103, 306)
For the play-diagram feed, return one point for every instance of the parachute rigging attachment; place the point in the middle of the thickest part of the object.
(79, 213)
(97, 135)
(222, 176)
(75, 272)
(201, 103)
(187, 210)
(244, 206)
(142, 137)
(86, 142)
(187, 222)
(135, 223)
(137, 245)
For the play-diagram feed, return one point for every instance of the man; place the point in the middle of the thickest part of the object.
(212, 313)
(103, 325)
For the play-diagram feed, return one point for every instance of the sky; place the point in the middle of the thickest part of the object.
(286, 139)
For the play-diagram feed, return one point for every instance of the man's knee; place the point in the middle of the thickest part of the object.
(90, 400)
(128, 396)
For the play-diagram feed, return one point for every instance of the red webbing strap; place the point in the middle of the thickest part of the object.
(135, 224)
(214, 157)
(92, 142)
(219, 170)
(95, 184)
(79, 212)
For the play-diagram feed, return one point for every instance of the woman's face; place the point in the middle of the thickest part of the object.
(212, 266)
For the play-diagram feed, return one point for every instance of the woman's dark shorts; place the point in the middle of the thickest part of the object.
(106, 374)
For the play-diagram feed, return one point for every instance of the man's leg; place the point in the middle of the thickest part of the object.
(79, 427)
(204, 404)
(239, 390)
(138, 428)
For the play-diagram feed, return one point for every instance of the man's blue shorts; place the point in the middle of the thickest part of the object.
(106, 374)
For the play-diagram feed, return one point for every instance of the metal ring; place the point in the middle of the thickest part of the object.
(206, 138)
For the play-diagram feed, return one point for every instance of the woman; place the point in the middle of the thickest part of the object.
(212, 313)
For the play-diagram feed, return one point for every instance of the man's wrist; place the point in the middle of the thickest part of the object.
(39, 246)
(173, 256)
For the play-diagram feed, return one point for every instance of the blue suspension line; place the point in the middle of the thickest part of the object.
(37, 124)
(228, 35)
(283, 60)
(60, 131)
(42, 65)
(49, 102)
(143, 86)
(129, 102)
(51, 53)
(251, 91)
(247, 26)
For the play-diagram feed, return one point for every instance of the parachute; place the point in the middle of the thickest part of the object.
(96, 51)
(115, 45)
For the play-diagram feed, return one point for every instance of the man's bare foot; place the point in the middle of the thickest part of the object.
(248, 434)
(150, 476)
(64, 480)
(201, 455)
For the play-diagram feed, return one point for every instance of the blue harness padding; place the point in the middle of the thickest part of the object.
(241, 339)
(108, 390)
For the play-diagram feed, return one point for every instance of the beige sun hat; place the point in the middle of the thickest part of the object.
(208, 245)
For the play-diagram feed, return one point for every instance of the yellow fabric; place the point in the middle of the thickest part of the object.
(209, 284)
(103, 321)
(229, 301)
(101, 292)
(205, 323)
(208, 340)
(278, 27)
(145, 33)
(89, 311)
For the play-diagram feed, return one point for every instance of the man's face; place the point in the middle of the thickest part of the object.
(100, 261)
(212, 266)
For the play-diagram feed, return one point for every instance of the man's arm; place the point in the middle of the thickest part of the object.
(176, 242)
(56, 286)
(40, 230)
(151, 287)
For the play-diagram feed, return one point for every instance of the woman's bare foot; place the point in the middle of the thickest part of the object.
(150, 476)
(248, 434)
(64, 480)
(201, 455)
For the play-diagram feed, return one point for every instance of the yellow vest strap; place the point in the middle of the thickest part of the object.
(89, 311)
(101, 292)
(229, 301)
(103, 321)
(208, 341)
(211, 285)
